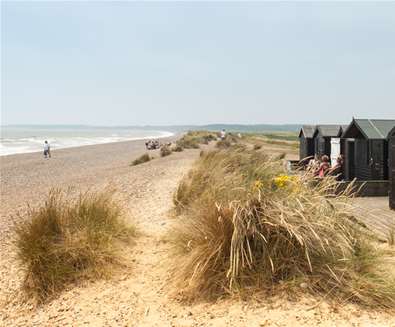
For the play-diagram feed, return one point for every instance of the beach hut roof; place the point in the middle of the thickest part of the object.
(329, 130)
(370, 128)
(344, 127)
(391, 132)
(307, 131)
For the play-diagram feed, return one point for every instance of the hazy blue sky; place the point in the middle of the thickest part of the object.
(124, 63)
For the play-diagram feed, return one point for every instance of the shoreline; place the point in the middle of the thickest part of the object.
(27, 177)
(168, 135)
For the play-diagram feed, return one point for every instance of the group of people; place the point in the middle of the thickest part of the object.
(152, 145)
(321, 167)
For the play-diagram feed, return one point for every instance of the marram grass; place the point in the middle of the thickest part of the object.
(67, 239)
(246, 225)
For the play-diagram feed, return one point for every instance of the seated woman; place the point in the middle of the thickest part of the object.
(337, 169)
(324, 166)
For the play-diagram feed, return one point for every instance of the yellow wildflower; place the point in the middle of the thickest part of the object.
(284, 180)
(258, 184)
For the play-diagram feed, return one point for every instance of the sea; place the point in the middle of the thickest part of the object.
(25, 139)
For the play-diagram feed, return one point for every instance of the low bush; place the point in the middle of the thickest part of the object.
(246, 225)
(257, 146)
(177, 148)
(192, 139)
(223, 144)
(66, 240)
(143, 158)
(165, 151)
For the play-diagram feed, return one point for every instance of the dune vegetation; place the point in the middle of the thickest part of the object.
(289, 140)
(68, 239)
(165, 151)
(177, 148)
(142, 159)
(193, 139)
(246, 225)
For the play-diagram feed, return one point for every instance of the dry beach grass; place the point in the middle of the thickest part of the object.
(66, 240)
(245, 225)
(143, 158)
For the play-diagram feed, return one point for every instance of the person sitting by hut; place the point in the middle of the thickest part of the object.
(324, 166)
(313, 164)
(337, 169)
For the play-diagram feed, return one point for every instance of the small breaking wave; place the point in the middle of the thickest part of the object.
(16, 145)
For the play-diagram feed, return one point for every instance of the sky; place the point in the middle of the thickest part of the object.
(139, 63)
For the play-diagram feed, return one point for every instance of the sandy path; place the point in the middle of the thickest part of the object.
(146, 191)
(138, 296)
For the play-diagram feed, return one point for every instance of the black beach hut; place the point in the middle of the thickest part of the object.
(306, 141)
(322, 138)
(366, 149)
(391, 166)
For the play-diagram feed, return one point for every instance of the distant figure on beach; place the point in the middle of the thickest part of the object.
(223, 134)
(47, 150)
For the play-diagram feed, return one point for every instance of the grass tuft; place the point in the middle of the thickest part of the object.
(142, 159)
(246, 225)
(165, 151)
(66, 240)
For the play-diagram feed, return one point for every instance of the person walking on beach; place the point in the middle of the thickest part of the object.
(47, 150)
(223, 134)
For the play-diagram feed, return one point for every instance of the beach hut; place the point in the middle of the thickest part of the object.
(391, 168)
(366, 149)
(322, 138)
(306, 141)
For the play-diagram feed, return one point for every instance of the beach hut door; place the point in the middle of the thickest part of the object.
(350, 159)
(335, 149)
(376, 159)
